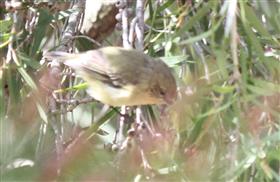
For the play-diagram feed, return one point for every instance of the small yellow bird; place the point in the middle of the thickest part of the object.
(117, 76)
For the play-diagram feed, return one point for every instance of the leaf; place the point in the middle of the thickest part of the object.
(5, 26)
(28, 60)
(42, 112)
(196, 130)
(262, 87)
(168, 46)
(217, 110)
(203, 35)
(223, 89)
(221, 57)
(44, 20)
(96, 125)
(165, 5)
(23, 72)
(172, 61)
(2, 97)
(201, 13)
(13, 83)
(251, 35)
(81, 86)
(4, 39)
(168, 170)
(255, 21)
(65, 14)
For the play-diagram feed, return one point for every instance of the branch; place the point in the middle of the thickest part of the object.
(51, 80)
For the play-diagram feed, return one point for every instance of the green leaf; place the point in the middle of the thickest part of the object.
(221, 57)
(203, 35)
(168, 170)
(65, 14)
(201, 13)
(218, 109)
(223, 89)
(196, 130)
(255, 21)
(165, 5)
(44, 20)
(97, 124)
(4, 39)
(168, 46)
(28, 60)
(262, 87)
(42, 112)
(13, 84)
(2, 98)
(5, 26)
(81, 86)
(254, 40)
(172, 61)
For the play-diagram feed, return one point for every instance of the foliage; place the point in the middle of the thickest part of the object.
(224, 125)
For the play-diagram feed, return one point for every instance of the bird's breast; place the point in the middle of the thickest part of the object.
(128, 95)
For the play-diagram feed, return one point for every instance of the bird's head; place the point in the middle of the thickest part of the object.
(164, 84)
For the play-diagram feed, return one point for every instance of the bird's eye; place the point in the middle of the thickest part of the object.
(161, 92)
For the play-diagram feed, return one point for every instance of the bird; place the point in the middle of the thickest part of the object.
(119, 76)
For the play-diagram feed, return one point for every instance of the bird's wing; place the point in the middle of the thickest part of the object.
(127, 66)
(95, 66)
(115, 67)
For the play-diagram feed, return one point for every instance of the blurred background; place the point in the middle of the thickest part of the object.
(224, 125)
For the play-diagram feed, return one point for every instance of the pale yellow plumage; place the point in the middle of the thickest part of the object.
(118, 76)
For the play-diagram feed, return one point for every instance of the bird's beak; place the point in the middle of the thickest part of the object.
(168, 100)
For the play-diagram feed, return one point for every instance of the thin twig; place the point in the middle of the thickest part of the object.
(125, 27)
(132, 30)
(199, 52)
(88, 38)
(139, 29)
(234, 39)
(55, 71)
(126, 44)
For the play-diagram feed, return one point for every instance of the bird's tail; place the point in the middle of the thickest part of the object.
(59, 55)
